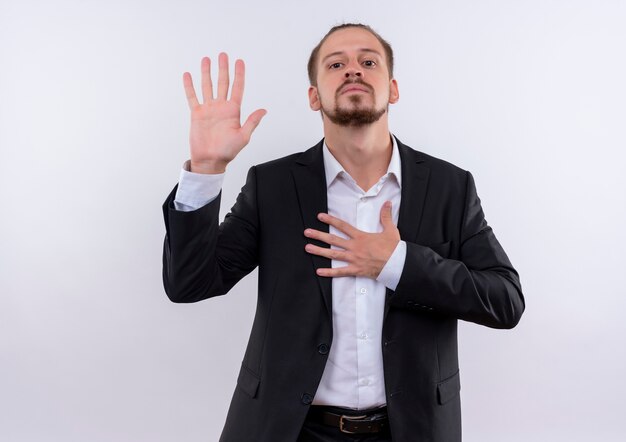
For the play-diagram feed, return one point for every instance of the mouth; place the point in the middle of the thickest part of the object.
(354, 87)
(351, 88)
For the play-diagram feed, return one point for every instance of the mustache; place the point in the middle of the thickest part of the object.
(357, 81)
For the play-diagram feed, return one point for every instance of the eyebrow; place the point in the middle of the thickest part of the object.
(332, 54)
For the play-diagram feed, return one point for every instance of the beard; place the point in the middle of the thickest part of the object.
(355, 116)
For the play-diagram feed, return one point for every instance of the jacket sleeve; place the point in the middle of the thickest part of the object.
(202, 259)
(481, 286)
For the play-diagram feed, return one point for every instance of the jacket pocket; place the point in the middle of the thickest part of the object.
(248, 381)
(448, 389)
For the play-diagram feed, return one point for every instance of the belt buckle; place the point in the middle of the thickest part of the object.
(349, 418)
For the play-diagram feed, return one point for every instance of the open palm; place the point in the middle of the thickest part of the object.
(217, 135)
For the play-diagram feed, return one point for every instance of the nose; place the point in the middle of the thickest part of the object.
(353, 71)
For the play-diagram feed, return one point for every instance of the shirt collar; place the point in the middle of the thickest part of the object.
(333, 168)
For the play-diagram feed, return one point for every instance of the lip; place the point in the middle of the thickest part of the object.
(353, 88)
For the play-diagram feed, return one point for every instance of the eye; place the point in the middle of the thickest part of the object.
(369, 63)
(335, 65)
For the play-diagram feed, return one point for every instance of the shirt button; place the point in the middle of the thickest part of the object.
(363, 290)
(365, 382)
(323, 349)
(363, 335)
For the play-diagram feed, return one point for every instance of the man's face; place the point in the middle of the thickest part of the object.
(353, 84)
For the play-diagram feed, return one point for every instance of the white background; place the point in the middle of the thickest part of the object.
(528, 95)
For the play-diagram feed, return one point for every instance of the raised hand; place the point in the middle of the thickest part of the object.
(366, 253)
(216, 135)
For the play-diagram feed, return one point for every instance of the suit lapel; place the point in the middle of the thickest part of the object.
(413, 194)
(310, 181)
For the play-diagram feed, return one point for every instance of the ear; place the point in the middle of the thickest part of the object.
(314, 99)
(394, 93)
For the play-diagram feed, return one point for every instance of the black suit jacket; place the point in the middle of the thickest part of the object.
(454, 269)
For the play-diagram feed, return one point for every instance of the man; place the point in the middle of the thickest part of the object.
(355, 332)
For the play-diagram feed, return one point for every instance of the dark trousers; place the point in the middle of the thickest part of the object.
(314, 431)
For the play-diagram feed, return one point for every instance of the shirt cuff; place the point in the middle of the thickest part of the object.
(196, 189)
(391, 273)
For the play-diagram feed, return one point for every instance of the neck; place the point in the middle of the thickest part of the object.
(364, 152)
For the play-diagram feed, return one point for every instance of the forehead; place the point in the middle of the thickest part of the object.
(350, 40)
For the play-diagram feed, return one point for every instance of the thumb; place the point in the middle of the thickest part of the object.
(252, 122)
(385, 215)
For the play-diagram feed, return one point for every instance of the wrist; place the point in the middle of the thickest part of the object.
(207, 167)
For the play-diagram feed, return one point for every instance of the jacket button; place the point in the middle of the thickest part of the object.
(306, 399)
(323, 349)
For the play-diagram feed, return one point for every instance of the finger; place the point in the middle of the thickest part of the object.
(192, 101)
(339, 224)
(385, 216)
(238, 83)
(338, 272)
(222, 78)
(207, 83)
(328, 238)
(337, 255)
(252, 122)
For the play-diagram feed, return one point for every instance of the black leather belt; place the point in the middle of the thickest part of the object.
(351, 421)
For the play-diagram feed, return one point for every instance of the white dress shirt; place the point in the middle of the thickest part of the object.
(353, 376)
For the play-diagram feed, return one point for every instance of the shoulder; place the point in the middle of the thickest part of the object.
(409, 154)
(311, 156)
(436, 165)
(444, 178)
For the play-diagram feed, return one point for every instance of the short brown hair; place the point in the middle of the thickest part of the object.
(312, 65)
